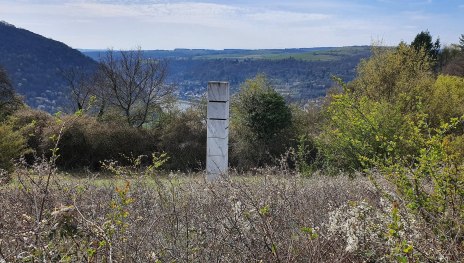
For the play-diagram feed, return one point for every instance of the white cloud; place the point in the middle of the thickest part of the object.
(287, 17)
(416, 15)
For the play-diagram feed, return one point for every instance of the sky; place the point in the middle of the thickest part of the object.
(244, 24)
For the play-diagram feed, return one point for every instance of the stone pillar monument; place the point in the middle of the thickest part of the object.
(217, 144)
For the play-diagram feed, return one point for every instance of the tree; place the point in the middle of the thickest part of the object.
(381, 114)
(135, 86)
(12, 145)
(80, 85)
(261, 122)
(455, 67)
(423, 40)
(182, 136)
(401, 75)
(461, 42)
(452, 59)
(447, 55)
(9, 100)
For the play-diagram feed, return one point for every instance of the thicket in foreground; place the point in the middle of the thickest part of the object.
(400, 121)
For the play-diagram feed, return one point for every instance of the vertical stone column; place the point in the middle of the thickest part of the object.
(217, 144)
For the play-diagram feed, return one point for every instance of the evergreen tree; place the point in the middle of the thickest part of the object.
(424, 40)
(261, 121)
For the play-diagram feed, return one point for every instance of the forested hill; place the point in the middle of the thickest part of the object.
(34, 63)
(299, 74)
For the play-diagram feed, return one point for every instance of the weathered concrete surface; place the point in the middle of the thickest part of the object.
(217, 155)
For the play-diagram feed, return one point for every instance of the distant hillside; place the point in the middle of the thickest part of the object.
(183, 53)
(299, 74)
(33, 63)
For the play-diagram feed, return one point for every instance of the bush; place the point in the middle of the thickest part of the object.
(382, 114)
(360, 130)
(32, 124)
(431, 188)
(12, 145)
(182, 135)
(447, 100)
(86, 142)
(266, 218)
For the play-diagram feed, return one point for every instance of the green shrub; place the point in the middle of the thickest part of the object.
(261, 124)
(447, 100)
(431, 188)
(12, 145)
(360, 130)
(382, 114)
(32, 124)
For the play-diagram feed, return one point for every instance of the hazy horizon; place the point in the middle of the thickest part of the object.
(227, 24)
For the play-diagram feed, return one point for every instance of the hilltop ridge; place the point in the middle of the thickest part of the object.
(33, 63)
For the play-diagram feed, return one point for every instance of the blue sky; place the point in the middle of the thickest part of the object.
(219, 24)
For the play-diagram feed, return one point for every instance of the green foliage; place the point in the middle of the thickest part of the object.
(423, 41)
(32, 124)
(360, 130)
(12, 145)
(432, 186)
(447, 100)
(400, 249)
(461, 42)
(379, 115)
(402, 76)
(261, 122)
(261, 109)
(395, 117)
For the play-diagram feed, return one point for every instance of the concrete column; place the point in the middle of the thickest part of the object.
(217, 144)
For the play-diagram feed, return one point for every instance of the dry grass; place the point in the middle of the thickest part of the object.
(175, 218)
(266, 217)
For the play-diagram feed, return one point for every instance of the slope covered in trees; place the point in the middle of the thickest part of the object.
(34, 63)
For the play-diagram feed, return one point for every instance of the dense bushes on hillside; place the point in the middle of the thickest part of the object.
(389, 110)
(400, 119)
(381, 113)
(86, 142)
